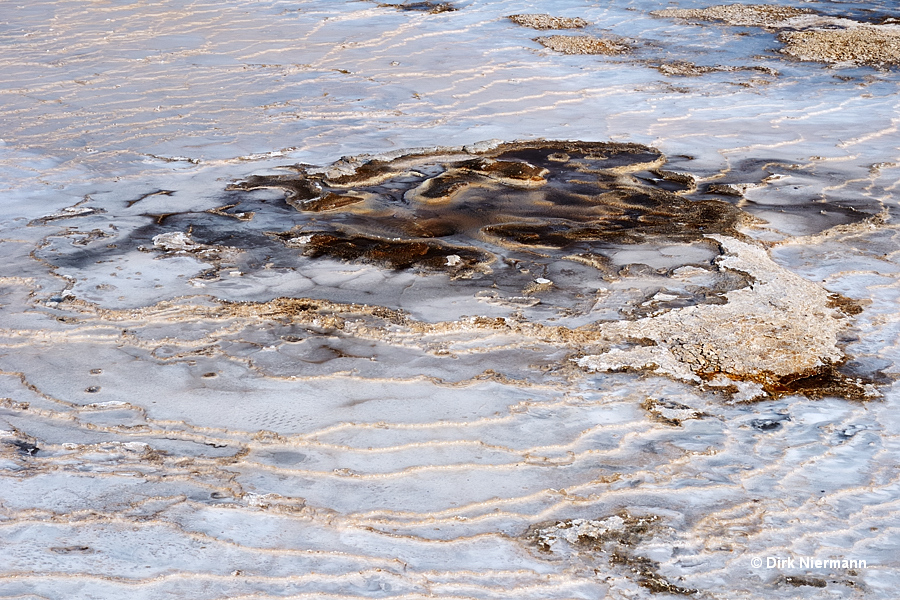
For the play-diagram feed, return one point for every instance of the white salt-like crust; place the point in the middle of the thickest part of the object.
(857, 44)
(583, 44)
(545, 21)
(805, 34)
(758, 15)
(779, 325)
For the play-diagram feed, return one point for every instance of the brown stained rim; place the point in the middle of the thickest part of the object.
(395, 253)
(821, 382)
(827, 380)
(514, 196)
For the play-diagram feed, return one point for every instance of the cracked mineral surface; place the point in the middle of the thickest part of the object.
(583, 44)
(808, 35)
(544, 21)
(755, 15)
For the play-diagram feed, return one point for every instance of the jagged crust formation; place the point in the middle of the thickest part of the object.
(806, 35)
(754, 15)
(863, 44)
(583, 44)
(779, 333)
(545, 21)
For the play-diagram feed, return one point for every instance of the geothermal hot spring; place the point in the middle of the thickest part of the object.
(449, 300)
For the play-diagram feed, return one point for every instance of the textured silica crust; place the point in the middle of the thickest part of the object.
(755, 15)
(545, 21)
(877, 45)
(775, 333)
(807, 35)
(583, 44)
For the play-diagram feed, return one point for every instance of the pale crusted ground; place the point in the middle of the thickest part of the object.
(544, 21)
(582, 44)
(780, 325)
(865, 44)
(755, 15)
(822, 39)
